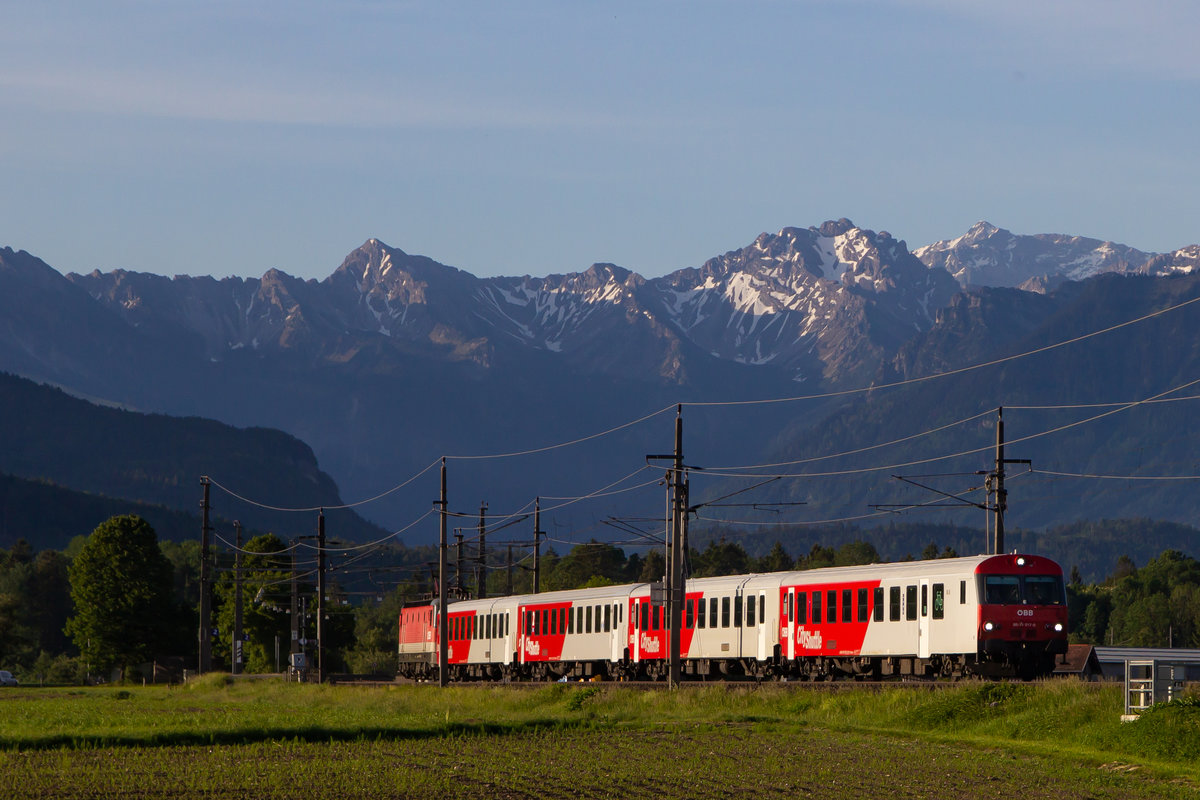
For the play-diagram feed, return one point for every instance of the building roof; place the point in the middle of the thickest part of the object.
(1121, 654)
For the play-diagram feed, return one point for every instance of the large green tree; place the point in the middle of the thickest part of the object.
(266, 594)
(121, 586)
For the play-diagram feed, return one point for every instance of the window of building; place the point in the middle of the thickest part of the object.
(894, 603)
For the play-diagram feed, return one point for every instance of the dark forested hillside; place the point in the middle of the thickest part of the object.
(45, 434)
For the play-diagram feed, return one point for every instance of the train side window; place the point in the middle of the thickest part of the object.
(645, 616)
(787, 607)
(554, 621)
(863, 605)
(801, 608)
(701, 618)
(620, 613)
(910, 599)
(587, 620)
(878, 598)
(488, 633)
(712, 612)
(750, 621)
(816, 608)
(894, 604)
(607, 618)
(579, 620)
(571, 621)
(847, 606)
(831, 606)
(724, 612)
(924, 599)
(507, 619)
(690, 622)
(656, 618)
(939, 601)
(563, 613)
(737, 611)
(962, 593)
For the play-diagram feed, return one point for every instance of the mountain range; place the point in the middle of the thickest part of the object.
(395, 359)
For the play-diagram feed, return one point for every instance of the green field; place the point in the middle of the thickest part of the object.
(275, 740)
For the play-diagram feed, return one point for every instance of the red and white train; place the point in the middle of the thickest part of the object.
(981, 615)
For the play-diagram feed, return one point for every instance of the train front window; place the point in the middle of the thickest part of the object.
(1043, 590)
(1011, 590)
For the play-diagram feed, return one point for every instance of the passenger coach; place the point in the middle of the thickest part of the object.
(982, 615)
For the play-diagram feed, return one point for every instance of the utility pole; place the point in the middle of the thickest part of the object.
(459, 583)
(321, 596)
(674, 577)
(509, 585)
(537, 545)
(205, 599)
(236, 651)
(1001, 493)
(481, 576)
(295, 645)
(442, 625)
(675, 590)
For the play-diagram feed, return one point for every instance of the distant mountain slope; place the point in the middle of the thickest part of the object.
(158, 460)
(394, 359)
(1130, 364)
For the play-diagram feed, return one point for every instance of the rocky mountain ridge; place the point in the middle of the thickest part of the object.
(990, 256)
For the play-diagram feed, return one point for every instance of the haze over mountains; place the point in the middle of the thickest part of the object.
(395, 359)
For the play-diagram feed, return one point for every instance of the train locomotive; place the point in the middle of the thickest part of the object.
(989, 615)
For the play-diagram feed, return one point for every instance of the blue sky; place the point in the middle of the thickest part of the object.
(530, 138)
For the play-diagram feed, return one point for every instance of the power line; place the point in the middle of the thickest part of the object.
(269, 507)
(837, 473)
(698, 404)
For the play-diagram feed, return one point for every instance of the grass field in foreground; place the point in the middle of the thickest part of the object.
(1060, 740)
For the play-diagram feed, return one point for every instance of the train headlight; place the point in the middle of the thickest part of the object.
(1020, 561)
(987, 626)
(1058, 627)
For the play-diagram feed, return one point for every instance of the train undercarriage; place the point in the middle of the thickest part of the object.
(1026, 661)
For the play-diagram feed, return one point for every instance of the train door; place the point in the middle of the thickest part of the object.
(618, 631)
(761, 625)
(786, 627)
(923, 620)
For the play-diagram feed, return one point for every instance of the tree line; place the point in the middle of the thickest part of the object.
(121, 598)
